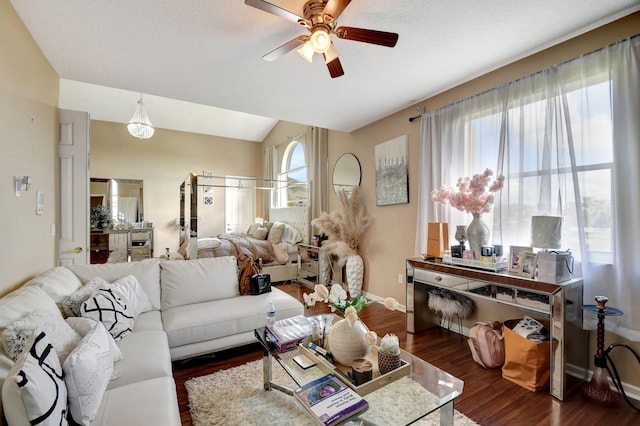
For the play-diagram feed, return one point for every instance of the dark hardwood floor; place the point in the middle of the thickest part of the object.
(488, 399)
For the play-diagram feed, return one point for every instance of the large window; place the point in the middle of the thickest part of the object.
(293, 189)
(567, 141)
(557, 156)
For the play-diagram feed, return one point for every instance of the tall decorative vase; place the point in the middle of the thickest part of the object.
(355, 274)
(347, 342)
(477, 234)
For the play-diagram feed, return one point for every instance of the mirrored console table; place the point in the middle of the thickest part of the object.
(560, 303)
(120, 245)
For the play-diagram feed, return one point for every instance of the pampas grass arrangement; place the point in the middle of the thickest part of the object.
(345, 226)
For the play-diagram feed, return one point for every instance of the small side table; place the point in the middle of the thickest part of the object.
(315, 266)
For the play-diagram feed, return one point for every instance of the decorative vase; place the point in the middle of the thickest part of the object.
(387, 363)
(477, 235)
(347, 342)
(355, 274)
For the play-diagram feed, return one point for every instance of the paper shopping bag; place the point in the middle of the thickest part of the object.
(525, 362)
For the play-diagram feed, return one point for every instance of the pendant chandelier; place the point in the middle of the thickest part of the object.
(139, 125)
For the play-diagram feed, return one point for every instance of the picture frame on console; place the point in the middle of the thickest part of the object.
(515, 259)
(528, 261)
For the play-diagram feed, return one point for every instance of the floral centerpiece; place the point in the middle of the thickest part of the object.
(474, 195)
(349, 338)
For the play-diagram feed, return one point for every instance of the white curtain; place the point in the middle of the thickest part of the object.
(568, 141)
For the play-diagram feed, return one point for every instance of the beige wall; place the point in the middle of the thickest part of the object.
(163, 162)
(28, 133)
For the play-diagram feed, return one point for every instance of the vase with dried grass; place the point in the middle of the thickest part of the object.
(344, 229)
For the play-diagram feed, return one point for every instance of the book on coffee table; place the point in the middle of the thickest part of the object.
(287, 332)
(330, 400)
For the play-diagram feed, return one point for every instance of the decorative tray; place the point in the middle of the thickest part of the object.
(343, 371)
(489, 266)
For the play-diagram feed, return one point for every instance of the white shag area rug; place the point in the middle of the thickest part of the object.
(236, 397)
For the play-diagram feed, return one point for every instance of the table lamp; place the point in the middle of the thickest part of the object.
(546, 232)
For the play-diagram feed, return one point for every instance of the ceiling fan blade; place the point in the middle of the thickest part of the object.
(333, 9)
(335, 68)
(331, 54)
(274, 9)
(381, 38)
(285, 48)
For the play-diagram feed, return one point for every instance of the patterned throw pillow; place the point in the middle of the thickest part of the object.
(129, 289)
(34, 390)
(109, 309)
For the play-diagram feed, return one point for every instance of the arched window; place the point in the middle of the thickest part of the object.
(293, 170)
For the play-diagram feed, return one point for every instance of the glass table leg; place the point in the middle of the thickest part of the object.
(266, 369)
(446, 414)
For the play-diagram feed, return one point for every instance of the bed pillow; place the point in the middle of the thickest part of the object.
(72, 304)
(275, 235)
(109, 309)
(290, 235)
(252, 228)
(128, 288)
(16, 335)
(260, 233)
(34, 391)
(88, 370)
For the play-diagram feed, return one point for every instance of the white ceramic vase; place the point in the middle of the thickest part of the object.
(355, 274)
(347, 342)
(477, 235)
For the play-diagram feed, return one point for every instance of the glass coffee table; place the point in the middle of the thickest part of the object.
(401, 401)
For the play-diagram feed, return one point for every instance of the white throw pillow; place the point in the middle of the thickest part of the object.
(290, 235)
(71, 305)
(106, 307)
(128, 288)
(63, 337)
(34, 391)
(88, 370)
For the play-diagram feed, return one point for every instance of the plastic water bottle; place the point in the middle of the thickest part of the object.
(271, 313)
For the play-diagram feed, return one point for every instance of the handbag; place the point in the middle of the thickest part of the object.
(259, 283)
(487, 344)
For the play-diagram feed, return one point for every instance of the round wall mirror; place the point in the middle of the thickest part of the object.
(346, 173)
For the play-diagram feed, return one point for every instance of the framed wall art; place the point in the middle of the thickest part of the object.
(392, 172)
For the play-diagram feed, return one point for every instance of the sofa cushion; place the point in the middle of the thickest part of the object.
(58, 283)
(34, 391)
(146, 403)
(105, 306)
(147, 272)
(145, 355)
(88, 371)
(62, 336)
(148, 321)
(211, 320)
(192, 281)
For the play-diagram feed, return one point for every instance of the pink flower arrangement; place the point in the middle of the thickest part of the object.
(474, 195)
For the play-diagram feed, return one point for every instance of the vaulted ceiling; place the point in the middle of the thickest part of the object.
(199, 66)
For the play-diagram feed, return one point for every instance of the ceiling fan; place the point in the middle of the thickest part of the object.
(320, 17)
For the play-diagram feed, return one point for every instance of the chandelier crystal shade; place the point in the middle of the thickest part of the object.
(140, 126)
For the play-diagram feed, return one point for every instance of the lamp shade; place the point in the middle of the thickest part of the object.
(140, 126)
(546, 232)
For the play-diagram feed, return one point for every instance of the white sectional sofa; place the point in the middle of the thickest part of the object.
(195, 309)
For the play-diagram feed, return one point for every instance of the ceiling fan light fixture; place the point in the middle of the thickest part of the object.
(306, 51)
(140, 126)
(320, 40)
